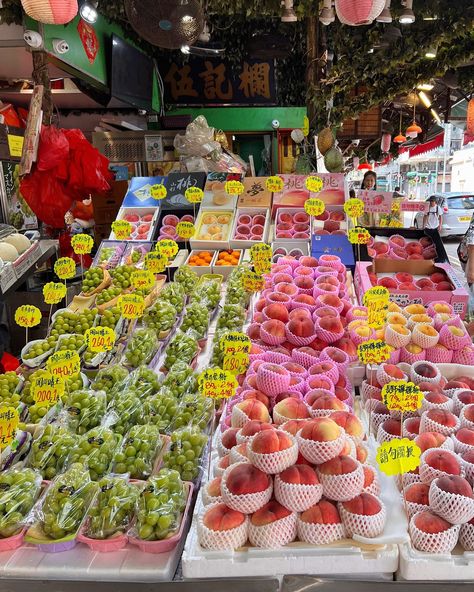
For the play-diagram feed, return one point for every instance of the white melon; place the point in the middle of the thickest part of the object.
(19, 241)
(8, 252)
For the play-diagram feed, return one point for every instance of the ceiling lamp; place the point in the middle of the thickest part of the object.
(414, 129)
(327, 16)
(427, 86)
(425, 99)
(51, 12)
(431, 52)
(364, 165)
(385, 16)
(407, 16)
(88, 12)
(400, 138)
(358, 12)
(288, 15)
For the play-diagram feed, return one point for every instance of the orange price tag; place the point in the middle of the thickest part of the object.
(27, 315)
(216, 383)
(100, 339)
(131, 306)
(54, 292)
(47, 389)
(65, 268)
(398, 456)
(9, 420)
(64, 363)
(82, 244)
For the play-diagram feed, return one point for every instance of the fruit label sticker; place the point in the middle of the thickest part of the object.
(216, 383)
(234, 188)
(401, 396)
(274, 184)
(167, 247)
(376, 300)
(374, 351)
(27, 315)
(82, 244)
(9, 420)
(314, 184)
(354, 207)
(314, 207)
(398, 456)
(122, 229)
(194, 195)
(236, 363)
(47, 389)
(65, 268)
(261, 256)
(155, 262)
(54, 292)
(358, 236)
(131, 306)
(185, 230)
(158, 191)
(142, 279)
(235, 342)
(64, 363)
(252, 282)
(100, 339)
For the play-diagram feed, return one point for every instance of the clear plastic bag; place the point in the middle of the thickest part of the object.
(174, 293)
(198, 140)
(182, 347)
(139, 449)
(207, 292)
(193, 410)
(196, 317)
(185, 451)
(124, 411)
(160, 409)
(141, 347)
(85, 409)
(144, 381)
(181, 379)
(50, 449)
(96, 449)
(231, 318)
(19, 489)
(109, 378)
(160, 317)
(188, 278)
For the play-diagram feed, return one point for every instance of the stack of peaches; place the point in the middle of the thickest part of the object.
(436, 282)
(398, 247)
(439, 495)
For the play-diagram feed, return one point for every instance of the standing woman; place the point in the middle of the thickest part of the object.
(369, 181)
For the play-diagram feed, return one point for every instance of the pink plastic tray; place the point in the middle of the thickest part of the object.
(13, 542)
(104, 545)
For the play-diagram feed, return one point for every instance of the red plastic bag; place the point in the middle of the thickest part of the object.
(53, 148)
(47, 196)
(88, 168)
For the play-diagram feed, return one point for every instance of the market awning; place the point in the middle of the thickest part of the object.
(424, 147)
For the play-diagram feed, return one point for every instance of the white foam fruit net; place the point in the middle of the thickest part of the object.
(275, 462)
(248, 503)
(207, 498)
(222, 540)
(428, 473)
(428, 425)
(297, 497)
(441, 542)
(319, 534)
(319, 452)
(466, 537)
(366, 526)
(341, 488)
(423, 340)
(274, 535)
(456, 509)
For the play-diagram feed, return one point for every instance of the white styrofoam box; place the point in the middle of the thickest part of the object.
(7, 276)
(141, 212)
(289, 246)
(27, 259)
(206, 244)
(417, 565)
(225, 270)
(197, 268)
(281, 212)
(342, 223)
(252, 212)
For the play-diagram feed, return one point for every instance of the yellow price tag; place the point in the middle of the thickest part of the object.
(142, 279)
(54, 292)
(185, 230)
(305, 128)
(167, 247)
(64, 363)
(122, 229)
(402, 396)
(376, 300)
(131, 306)
(314, 184)
(261, 256)
(235, 342)
(274, 184)
(374, 351)
(100, 339)
(216, 383)
(398, 456)
(354, 207)
(155, 262)
(314, 207)
(158, 191)
(27, 315)
(15, 145)
(236, 363)
(65, 268)
(47, 389)
(252, 282)
(194, 194)
(358, 236)
(82, 244)
(234, 188)
(9, 420)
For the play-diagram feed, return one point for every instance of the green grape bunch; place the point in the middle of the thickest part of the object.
(184, 454)
(207, 292)
(182, 347)
(93, 277)
(19, 488)
(108, 294)
(140, 447)
(196, 317)
(85, 409)
(188, 278)
(49, 451)
(122, 276)
(174, 294)
(96, 449)
(70, 322)
(109, 377)
(141, 347)
(161, 316)
(44, 346)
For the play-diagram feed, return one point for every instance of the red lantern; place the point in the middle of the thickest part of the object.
(385, 143)
(470, 118)
(358, 12)
(51, 12)
(364, 166)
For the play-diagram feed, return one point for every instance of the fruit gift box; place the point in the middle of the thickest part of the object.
(168, 222)
(256, 195)
(291, 224)
(251, 226)
(226, 261)
(109, 254)
(143, 221)
(332, 221)
(201, 261)
(294, 193)
(213, 229)
(215, 196)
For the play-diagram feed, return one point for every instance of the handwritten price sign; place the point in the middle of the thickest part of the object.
(142, 279)
(82, 244)
(65, 268)
(274, 184)
(314, 184)
(9, 420)
(155, 262)
(354, 207)
(261, 256)
(122, 229)
(398, 456)
(131, 306)
(376, 300)
(54, 292)
(100, 339)
(252, 282)
(236, 364)
(216, 383)
(234, 188)
(47, 389)
(27, 316)
(358, 236)
(158, 191)
(235, 342)
(167, 247)
(64, 363)
(314, 207)
(185, 230)
(374, 351)
(194, 195)
(402, 396)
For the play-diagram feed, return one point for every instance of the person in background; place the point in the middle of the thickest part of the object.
(369, 181)
(433, 218)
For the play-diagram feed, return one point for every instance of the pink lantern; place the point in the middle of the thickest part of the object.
(358, 12)
(385, 144)
(355, 162)
(51, 12)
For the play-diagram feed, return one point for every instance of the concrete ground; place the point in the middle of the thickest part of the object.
(451, 245)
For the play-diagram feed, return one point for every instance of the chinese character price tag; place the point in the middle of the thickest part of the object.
(252, 282)
(155, 262)
(234, 188)
(376, 300)
(216, 383)
(261, 256)
(9, 420)
(167, 247)
(185, 230)
(402, 396)
(64, 363)
(27, 316)
(354, 207)
(314, 184)
(194, 195)
(122, 229)
(374, 351)
(100, 339)
(398, 456)
(47, 389)
(274, 184)
(158, 191)
(131, 306)
(314, 207)
(142, 279)
(236, 363)
(65, 268)
(54, 292)
(235, 342)
(359, 236)
(82, 244)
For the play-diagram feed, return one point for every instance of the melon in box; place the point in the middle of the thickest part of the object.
(213, 229)
(251, 226)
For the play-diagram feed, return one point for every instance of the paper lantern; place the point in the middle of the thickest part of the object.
(358, 12)
(413, 130)
(470, 118)
(400, 139)
(51, 12)
(385, 143)
(364, 166)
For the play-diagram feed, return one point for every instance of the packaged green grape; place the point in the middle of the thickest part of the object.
(19, 490)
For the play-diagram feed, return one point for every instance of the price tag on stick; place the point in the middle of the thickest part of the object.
(65, 268)
(167, 247)
(64, 363)
(131, 306)
(122, 229)
(398, 456)
(82, 244)
(194, 195)
(47, 389)
(261, 256)
(359, 236)
(54, 292)
(402, 396)
(374, 351)
(216, 383)
(142, 279)
(9, 420)
(314, 184)
(314, 207)
(158, 191)
(376, 300)
(100, 339)
(252, 282)
(155, 262)
(27, 316)
(354, 208)
(185, 230)
(234, 188)
(274, 184)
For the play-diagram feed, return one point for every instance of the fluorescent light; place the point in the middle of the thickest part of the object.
(185, 49)
(425, 99)
(425, 86)
(431, 53)
(436, 117)
(433, 17)
(88, 12)
(407, 17)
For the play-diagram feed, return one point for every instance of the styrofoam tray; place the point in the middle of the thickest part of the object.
(416, 565)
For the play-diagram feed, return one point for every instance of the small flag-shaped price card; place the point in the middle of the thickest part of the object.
(158, 191)
(252, 282)
(54, 292)
(142, 279)
(100, 339)
(131, 306)
(185, 230)
(65, 268)
(314, 206)
(122, 229)
(374, 351)
(314, 184)
(155, 262)
(274, 184)
(167, 247)
(234, 188)
(376, 300)
(398, 456)
(402, 396)
(82, 244)
(9, 420)
(27, 316)
(261, 256)
(354, 207)
(64, 363)
(194, 195)
(216, 383)
(358, 236)
(47, 389)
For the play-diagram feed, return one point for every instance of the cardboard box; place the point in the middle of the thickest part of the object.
(281, 215)
(203, 239)
(106, 206)
(176, 185)
(236, 243)
(335, 244)
(458, 297)
(138, 194)
(215, 196)
(291, 247)
(256, 194)
(146, 216)
(295, 193)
